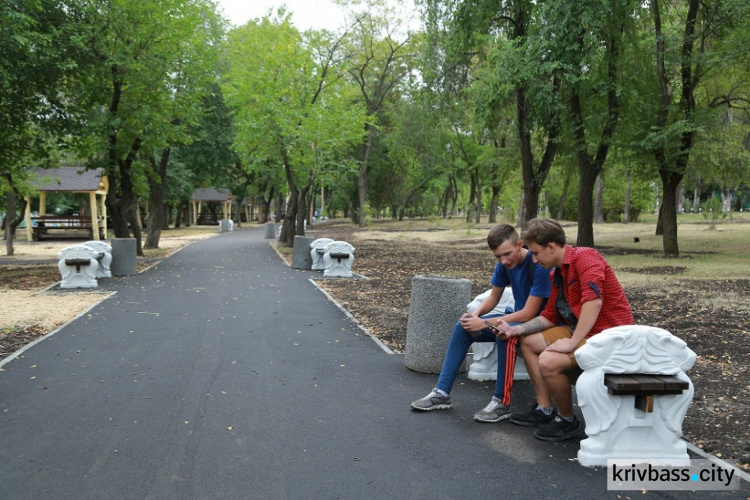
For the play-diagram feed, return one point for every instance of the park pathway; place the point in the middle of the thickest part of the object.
(222, 373)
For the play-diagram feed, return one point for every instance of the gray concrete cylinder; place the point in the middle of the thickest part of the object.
(124, 257)
(301, 258)
(270, 230)
(437, 302)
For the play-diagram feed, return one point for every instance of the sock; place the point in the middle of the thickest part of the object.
(568, 419)
(544, 409)
(443, 393)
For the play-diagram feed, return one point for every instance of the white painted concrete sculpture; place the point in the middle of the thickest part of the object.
(616, 429)
(78, 265)
(105, 250)
(484, 360)
(316, 253)
(338, 259)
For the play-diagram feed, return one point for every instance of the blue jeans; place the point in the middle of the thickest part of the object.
(459, 346)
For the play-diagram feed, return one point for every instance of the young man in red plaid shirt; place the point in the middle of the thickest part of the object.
(585, 299)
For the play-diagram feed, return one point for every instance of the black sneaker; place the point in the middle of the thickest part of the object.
(534, 418)
(559, 430)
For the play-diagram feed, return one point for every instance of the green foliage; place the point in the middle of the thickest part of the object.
(712, 212)
(289, 104)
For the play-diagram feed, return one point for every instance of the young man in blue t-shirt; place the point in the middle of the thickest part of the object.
(531, 287)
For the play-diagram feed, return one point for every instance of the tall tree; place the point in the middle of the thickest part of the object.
(378, 62)
(40, 49)
(693, 43)
(521, 71)
(291, 105)
(140, 89)
(586, 40)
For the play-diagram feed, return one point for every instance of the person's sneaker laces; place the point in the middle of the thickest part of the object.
(559, 430)
(495, 411)
(433, 401)
(533, 418)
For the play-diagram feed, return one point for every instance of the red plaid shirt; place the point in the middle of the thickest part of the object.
(587, 276)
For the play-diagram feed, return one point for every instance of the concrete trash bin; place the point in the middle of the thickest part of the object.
(436, 304)
(270, 230)
(301, 258)
(124, 257)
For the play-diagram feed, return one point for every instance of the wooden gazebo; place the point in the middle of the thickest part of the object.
(222, 196)
(70, 180)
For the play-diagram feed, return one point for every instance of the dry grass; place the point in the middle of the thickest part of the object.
(705, 254)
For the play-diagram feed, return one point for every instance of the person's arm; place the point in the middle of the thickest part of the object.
(589, 315)
(538, 324)
(529, 311)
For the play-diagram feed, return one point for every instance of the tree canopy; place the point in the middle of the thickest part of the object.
(515, 109)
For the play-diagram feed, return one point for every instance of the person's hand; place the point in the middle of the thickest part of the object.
(562, 345)
(471, 323)
(504, 330)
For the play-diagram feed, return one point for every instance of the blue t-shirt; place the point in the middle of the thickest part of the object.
(522, 286)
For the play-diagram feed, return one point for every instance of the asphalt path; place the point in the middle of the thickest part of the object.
(221, 373)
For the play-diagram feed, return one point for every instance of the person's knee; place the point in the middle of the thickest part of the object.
(532, 344)
(553, 363)
(458, 331)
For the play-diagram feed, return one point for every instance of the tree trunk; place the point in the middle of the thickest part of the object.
(492, 219)
(156, 215)
(409, 195)
(9, 229)
(599, 199)
(472, 197)
(628, 194)
(478, 214)
(668, 217)
(302, 206)
(289, 225)
(362, 179)
(660, 211)
(585, 206)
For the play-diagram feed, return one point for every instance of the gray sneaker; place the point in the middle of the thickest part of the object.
(495, 411)
(433, 401)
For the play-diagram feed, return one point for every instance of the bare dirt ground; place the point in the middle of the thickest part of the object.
(712, 316)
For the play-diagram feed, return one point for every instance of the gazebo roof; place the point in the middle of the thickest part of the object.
(70, 179)
(209, 194)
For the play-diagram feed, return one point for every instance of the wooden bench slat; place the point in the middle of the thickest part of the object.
(620, 383)
(643, 384)
(649, 382)
(675, 383)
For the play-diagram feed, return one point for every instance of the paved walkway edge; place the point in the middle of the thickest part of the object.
(28, 346)
(351, 317)
(742, 474)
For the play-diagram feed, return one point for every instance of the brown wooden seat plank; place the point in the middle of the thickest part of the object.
(619, 383)
(672, 383)
(643, 384)
(649, 382)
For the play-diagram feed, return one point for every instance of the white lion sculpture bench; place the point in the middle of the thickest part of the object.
(483, 364)
(105, 259)
(317, 252)
(634, 395)
(338, 258)
(78, 266)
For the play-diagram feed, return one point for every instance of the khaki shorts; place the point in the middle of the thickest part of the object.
(562, 332)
